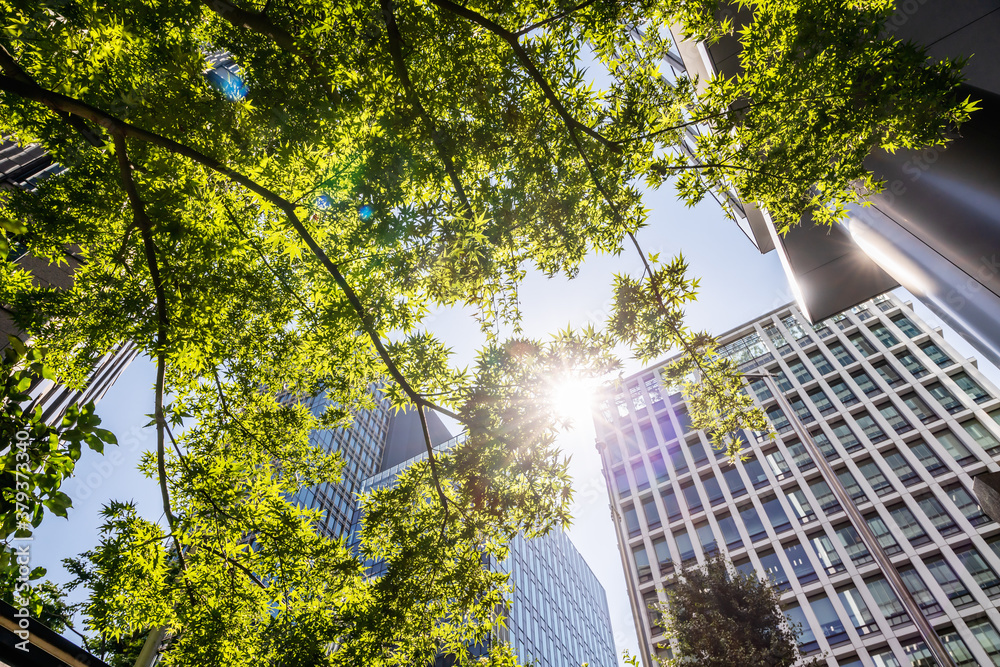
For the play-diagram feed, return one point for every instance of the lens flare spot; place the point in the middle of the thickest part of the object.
(366, 212)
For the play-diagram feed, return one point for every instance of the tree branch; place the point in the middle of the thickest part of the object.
(529, 66)
(551, 19)
(260, 23)
(142, 221)
(399, 64)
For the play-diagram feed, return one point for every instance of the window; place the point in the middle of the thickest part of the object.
(793, 327)
(882, 533)
(642, 568)
(781, 380)
(936, 355)
(870, 471)
(778, 420)
(855, 548)
(851, 485)
(824, 496)
(900, 468)
(949, 582)
(865, 383)
(871, 430)
(918, 655)
(908, 328)
(800, 456)
(800, 505)
(885, 658)
(707, 539)
(653, 615)
(630, 444)
(928, 458)
(822, 403)
(713, 491)
(755, 472)
(826, 553)
(653, 389)
(843, 392)
(799, 560)
(921, 594)
(638, 400)
(691, 498)
(677, 460)
(666, 427)
(662, 551)
(730, 532)
(734, 481)
(772, 569)
(761, 389)
(937, 515)
(825, 446)
(954, 446)
(822, 329)
(888, 373)
(969, 386)
(659, 467)
(684, 546)
(776, 462)
(632, 522)
(616, 451)
(801, 410)
(919, 408)
(798, 369)
(751, 521)
(896, 420)
(639, 472)
(982, 436)
(652, 514)
(806, 639)
(780, 344)
(945, 398)
(830, 624)
(671, 505)
(966, 504)
(988, 638)
(862, 345)
(820, 362)
(775, 515)
(621, 483)
(884, 335)
(980, 571)
(840, 353)
(845, 436)
(909, 525)
(910, 363)
(648, 436)
(887, 602)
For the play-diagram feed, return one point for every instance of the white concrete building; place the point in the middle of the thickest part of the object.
(904, 422)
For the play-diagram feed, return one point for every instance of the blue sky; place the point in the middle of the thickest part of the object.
(737, 284)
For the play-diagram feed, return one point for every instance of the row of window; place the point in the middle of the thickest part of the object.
(777, 462)
(802, 505)
(855, 607)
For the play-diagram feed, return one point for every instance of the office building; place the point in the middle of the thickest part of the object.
(904, 422)
(935, 228)
(558, 613)
(23, 167)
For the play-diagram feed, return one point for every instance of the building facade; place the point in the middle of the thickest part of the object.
(361, 448)
(558, 614)
(904, 422)
(935, 227)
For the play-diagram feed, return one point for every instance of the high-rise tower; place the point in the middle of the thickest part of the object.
(905, 424)
(558, 613)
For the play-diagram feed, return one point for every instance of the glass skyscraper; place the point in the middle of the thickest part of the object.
(905, 424)
(361, 448)
(558, 613)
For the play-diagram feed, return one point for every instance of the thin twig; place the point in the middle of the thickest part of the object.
(561, 15)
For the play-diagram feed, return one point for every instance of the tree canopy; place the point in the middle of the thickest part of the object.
(719, 617)
(287, 236)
